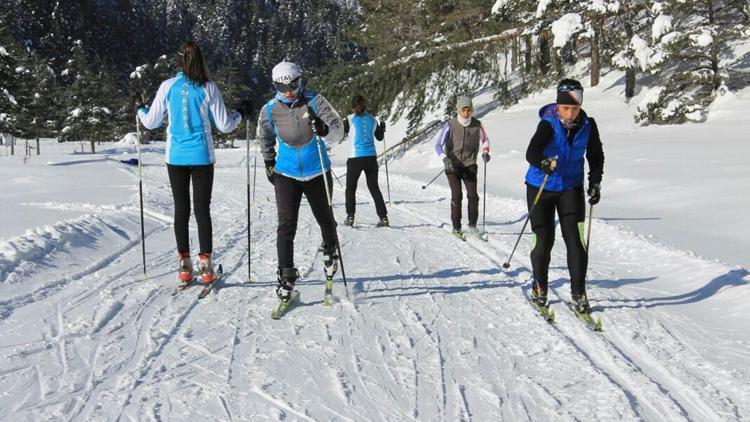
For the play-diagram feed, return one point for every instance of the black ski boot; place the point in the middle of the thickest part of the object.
(538, 296)
(581, 304)
(286, 280)
(330, 266)
(384, 222)
(349, 220)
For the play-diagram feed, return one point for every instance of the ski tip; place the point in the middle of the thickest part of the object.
(598, 325)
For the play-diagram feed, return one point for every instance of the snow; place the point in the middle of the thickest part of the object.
(435, 329)
(130, 139)
(603, 6)
(541, 7)
(703, 39)
(10, 97)
(3, 51)
(565, 27)
(662, 25)
(641, 51)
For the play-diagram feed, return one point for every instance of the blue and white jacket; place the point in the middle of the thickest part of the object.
(285, 124)
(362, 130)
(191, 110)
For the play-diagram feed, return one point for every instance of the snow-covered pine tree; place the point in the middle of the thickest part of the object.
(692, 40)
(9, 81)
(87, 99)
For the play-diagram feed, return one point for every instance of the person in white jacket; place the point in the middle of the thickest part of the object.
(191, 103)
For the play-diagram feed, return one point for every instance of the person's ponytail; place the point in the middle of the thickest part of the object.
(192, 64)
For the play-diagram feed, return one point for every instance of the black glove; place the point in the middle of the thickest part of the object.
(448, 164)
(382, 126)
(318, 126)
(246, 108)
(485, 156)
(595, 193)
(270, 164)
(548, 165)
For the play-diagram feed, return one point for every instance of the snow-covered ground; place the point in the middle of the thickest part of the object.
(683, 185)
(435, 330)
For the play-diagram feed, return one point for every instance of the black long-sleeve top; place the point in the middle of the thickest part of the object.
(594, 152)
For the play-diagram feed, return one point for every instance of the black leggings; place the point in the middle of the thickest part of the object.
(354, 168)
(203, 181)
(469, 177)
(288, 198)
(571, 209)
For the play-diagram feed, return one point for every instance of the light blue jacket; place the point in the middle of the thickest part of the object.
(191, 110)
(286, 126)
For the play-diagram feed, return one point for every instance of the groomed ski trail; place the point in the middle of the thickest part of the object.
(435, 330)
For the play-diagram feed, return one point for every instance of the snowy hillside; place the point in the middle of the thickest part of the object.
(435, 330)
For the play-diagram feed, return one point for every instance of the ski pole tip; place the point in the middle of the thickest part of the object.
(506, 265)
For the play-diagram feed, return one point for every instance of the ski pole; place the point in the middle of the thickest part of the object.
(336, 177)
(588, 232)
(249, 220)
(387, 179)
(433, 179)
(531, 210)
(311, 114)
(484, 200)
(140, 193)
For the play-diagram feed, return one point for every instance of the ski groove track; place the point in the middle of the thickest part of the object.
(435, 330)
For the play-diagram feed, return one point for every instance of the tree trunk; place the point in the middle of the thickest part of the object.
(544, 52)
(558, 61)
(93, 146)
(527, 55)
(630, 83)
(37, 146)
(12, 145)
(629, 72)
(514, 54)
(595, 65)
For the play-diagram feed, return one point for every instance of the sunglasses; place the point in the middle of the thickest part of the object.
(285, 87)
(569, 87)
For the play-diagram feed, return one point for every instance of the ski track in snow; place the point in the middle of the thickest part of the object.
(436, 330)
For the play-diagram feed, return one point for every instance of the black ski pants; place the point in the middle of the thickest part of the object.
(469, 176)
(203, 182)
(571, 209)
(288, 199)
(354, 168)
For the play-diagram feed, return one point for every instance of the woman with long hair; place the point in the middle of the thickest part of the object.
(190, 103)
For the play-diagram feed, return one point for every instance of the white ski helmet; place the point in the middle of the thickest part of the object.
(285, 72)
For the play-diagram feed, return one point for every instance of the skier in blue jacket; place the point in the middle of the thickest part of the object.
(363, 130)
(288, 134)
(191, 103)
(564, 135)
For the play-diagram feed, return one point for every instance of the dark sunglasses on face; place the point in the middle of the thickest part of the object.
(285, 87)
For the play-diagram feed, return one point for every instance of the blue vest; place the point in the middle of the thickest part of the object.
(298, 162)
(362, 134)
(570, 157)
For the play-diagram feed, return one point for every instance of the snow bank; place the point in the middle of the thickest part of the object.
(130, 139)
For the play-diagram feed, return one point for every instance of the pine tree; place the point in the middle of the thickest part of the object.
(694, 36)
(86, 99)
